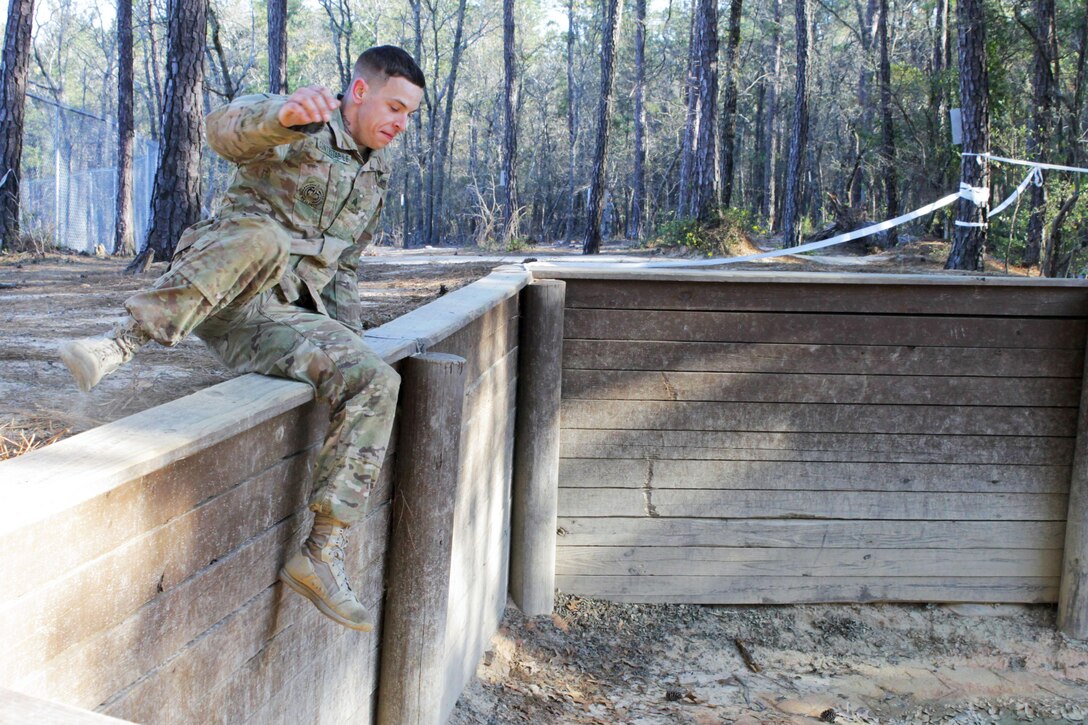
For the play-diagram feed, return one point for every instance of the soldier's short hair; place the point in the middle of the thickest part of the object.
(391, 62)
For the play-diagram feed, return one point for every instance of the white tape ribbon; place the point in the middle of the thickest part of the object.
(1036, 164)
(978, 225)
(977, 194)
(1035, 175)
(839, 239)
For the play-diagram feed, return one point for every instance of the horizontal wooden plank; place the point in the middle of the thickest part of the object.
(644, 531)
(437, 321)
(905, 296)
(79, 469)
(17, 709)
(485, 340)
(811, 476)
(156, 631)
(780, 562)
(738, 357)
(128, 508)
(800, 388)
(908, 419)
(803, 446)
(673, 503)
(824, 329)
(244, 661)
(800, 590)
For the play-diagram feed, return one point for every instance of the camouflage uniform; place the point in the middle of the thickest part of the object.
(270, 282)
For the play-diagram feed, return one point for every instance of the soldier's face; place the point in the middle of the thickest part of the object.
(377, 114)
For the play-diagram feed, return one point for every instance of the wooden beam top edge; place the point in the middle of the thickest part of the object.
(540, 270)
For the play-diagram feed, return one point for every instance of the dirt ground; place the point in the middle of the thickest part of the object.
(595, 661)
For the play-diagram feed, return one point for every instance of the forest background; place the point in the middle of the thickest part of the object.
(544, 120)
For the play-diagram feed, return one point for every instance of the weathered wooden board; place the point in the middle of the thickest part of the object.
(72, 608)
(159, 629)
(679, 503)
(720, 561)
(485, 340)
(825, 329)
(243, 661)
(909, 297)
(17, 709)
(793, 533)
(903, 419)
(494, 389)
(811, 476)
(798, 590)
(800, 388)
(742, 357)
(137, 505)
(802, 446)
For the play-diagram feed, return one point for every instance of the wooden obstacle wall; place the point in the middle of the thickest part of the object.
(760, 437)
(140, 559)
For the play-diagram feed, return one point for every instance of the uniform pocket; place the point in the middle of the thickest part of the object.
(311, 193)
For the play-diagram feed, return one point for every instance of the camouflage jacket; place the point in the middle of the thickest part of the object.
(317, 183)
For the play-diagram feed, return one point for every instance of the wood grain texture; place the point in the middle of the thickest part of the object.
(869, 294)
(679, 503)
(241, 664)
(785, 417)
(787, 533)
(134, 502)
(739, 357)
(811, 476)
(803, 446)
(814, 562)
(17, 708)
(800, 590)
(825, 329)
(414, 636)
(749, 387)
(536, 461)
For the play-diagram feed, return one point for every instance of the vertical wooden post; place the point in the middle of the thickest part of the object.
(536, 448)
(414, 622)
(1073, 598)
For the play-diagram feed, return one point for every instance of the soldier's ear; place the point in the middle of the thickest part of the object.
(358, 89)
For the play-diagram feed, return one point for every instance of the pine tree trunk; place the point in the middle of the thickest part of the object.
(123, 242)
(572, 127)
(969, 242)
(887, 131)
(799, 135)
(175, 202)
(447, 116)
(638, 185)
(592, 244)
(1040, 123)
(13, 75)
(729, 104)
(277, 46)
(705, 179)
(769, 152)
(509, 134)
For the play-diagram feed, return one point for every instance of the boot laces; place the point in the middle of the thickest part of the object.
(335, 548)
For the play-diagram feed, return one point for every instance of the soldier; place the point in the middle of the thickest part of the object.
(270, 284)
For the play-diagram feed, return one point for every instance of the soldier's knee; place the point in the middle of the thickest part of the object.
(373, 377)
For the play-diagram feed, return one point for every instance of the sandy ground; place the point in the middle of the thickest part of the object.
(595, 661)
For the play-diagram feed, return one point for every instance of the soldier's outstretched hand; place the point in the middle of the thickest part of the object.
(309, 104)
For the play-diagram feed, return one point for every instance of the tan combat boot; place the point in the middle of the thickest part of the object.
(90, 359)
(317, 573)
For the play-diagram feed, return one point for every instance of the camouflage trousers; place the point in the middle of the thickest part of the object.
(220, 288)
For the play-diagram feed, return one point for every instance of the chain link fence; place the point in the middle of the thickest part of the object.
(69, 188)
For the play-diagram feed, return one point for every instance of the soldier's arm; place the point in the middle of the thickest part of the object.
(253, 125)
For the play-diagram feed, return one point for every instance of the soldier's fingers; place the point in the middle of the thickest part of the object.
(329, 98)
